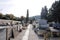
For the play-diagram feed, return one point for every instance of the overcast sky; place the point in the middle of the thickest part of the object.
(19, 7)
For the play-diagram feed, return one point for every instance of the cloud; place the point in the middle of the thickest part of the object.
(19, 7)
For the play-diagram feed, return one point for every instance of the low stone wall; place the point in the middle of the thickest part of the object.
(8, 33)
(15, 31)
(12, 32)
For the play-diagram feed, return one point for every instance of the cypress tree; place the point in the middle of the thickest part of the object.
(27, 16)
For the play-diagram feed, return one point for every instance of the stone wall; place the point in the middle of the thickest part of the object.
(12, 32)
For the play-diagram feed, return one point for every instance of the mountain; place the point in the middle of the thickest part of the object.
(36, 17)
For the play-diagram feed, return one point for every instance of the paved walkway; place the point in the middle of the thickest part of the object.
(33, 35)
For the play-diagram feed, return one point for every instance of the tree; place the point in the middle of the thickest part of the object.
(49, 16)
(55, 11)
(1, 15)
(9, 16)
(44, 13)
(22, 20)
(27, 16)
(22, 17)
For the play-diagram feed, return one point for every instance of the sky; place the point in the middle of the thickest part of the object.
(19, 7)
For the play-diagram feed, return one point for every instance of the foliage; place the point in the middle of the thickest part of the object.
(9, 17)
(1, 15)
(44, 13)
(55, 12)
